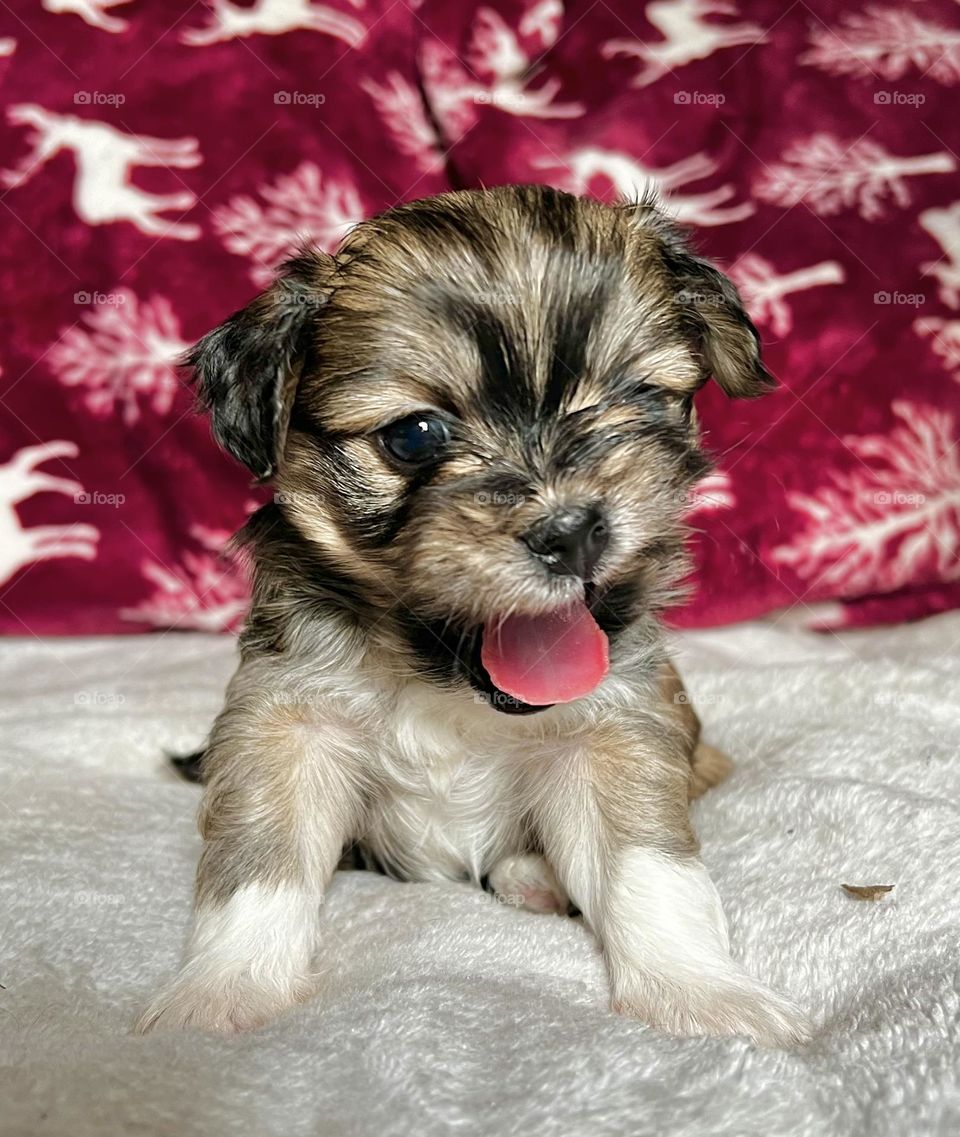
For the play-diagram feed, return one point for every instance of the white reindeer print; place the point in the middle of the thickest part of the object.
(104, 158)
(943, 225)
(496, 55)
(763, 288)
(500, 73)
(20, 479)
(92, 12)
(686, 36)
(543, 20)
(274, 18)
(631, 179)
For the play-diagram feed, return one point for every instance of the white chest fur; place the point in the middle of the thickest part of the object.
(447, 804)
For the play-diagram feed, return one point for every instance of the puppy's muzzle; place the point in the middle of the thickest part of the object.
(571, 542)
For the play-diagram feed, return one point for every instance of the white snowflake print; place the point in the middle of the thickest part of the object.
(890, 521)
(92, 12)
(715, 491)
(123, 354)
(206, 592)
(886, 43)
(104, 159)
(401, 107)
(764, 289)
(944, 337)
(686, 36)
(828, 176)
(274, 18)
(20, 478)
(943, 225)
(301, 208)
(631, 179)
(8, 45)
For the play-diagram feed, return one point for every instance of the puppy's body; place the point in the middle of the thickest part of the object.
(476, 417)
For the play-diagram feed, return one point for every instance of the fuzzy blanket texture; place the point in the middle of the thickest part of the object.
(158, 161)
(447, 1012)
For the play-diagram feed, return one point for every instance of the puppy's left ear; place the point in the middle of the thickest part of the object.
(247, 370)
(722, 333)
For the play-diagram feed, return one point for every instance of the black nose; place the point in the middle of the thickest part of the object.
(570, 543)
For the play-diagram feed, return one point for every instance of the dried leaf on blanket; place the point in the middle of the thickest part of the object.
(867, 891)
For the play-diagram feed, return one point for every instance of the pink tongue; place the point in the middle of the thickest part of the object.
(554, 658)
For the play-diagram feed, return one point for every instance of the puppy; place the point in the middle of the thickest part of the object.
(478, 421)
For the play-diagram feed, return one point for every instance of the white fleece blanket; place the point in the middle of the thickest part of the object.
(446, 1012)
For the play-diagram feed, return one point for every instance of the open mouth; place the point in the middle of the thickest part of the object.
(529, 663)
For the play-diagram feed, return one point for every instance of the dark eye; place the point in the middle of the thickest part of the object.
(415, 440)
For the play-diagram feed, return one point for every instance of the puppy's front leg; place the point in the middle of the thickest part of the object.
(612, 816)
(280, 801)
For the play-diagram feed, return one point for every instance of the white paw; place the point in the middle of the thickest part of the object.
(717, 1007)
(528, 881)
(224, 1004)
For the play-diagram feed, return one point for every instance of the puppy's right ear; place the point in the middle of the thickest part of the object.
(247, 370)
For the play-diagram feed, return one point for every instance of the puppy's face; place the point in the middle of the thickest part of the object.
(479, 415)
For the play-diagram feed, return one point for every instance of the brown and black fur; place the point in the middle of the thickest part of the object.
(557, 343)
(556, 333)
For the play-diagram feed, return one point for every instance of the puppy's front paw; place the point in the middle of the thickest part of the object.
(714, 1006)
(527, 881)
(225, 1004)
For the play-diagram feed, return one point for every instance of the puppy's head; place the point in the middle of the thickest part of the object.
(478, 420)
